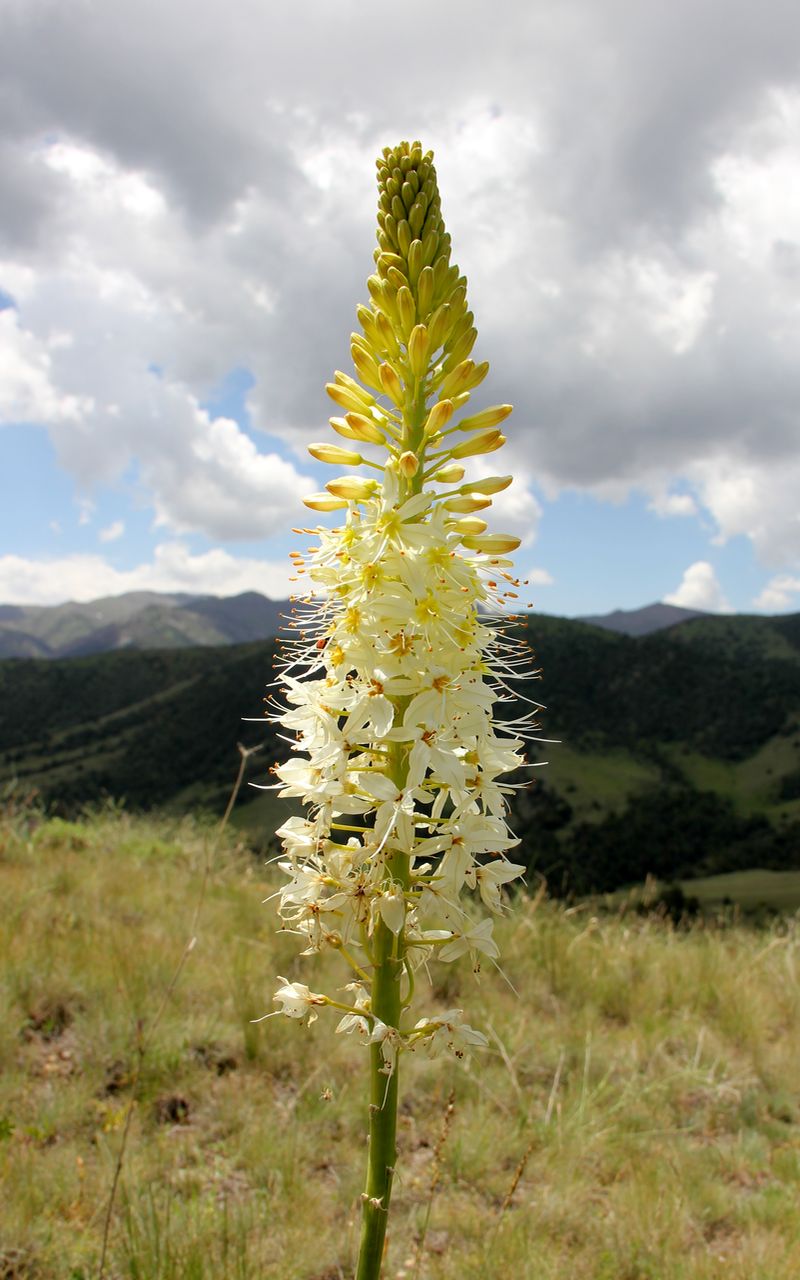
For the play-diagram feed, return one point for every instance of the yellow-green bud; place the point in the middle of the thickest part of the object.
(323, 502)
(492, 484)
(460, 400)
(403, 234)
(366, 366)
(387, 260)
(363, 428)
(425, 290)
(416, 216)
(449, 475)
(354, 488)
(470, 526)
(397, 279)
(408, 464)
(483, 442)
(458, 301)
(366, 319)
(457, 379)
(487, 418)
(391, 384)
(387, 334)
(461, 349)
(438, 324)
(494, 544)
(350, 397)
(438, 417)
(430, 245)
(418, 350)
(334, 453)
(414, 261)
(478, 374)
(406, 310)
(466, 504)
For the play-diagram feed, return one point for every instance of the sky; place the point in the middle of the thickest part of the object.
(188, 220)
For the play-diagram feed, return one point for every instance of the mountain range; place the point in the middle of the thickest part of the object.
(137, 620)
(153, 620)
(676, 753)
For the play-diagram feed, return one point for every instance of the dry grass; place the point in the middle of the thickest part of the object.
(643, 1089)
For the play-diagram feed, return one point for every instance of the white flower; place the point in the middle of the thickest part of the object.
(477, 938)
(489, 876)
(445, 1032)
(392, 907)
(297, 1001)
(390, 1040)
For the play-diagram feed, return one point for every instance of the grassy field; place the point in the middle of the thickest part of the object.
(637, 1116)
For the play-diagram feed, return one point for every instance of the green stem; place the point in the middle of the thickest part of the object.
(382, 1109)
(388, 954)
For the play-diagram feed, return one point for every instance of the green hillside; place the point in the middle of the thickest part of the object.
(678, 751)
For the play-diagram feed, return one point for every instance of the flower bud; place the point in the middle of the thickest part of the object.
(425, 293)
(350, 397)
(418, 349)
(408, 464)
(367, 320)
(467, 503)
(457, 379)
(469, 526)
(354, 488)
(430, 244)
(450, 475)
(387, 334)
(361, 428)
(486, 418)
(414, 261)
(334, 453)
(494, 544)
(366, 366)
(323, 502)
(492, 484)
(462, 348)
(438, 325)
(391, 384)
(341, 428)
(484, 442)
(406, 311)
(403, 234)
(438, 417)
(387, 260)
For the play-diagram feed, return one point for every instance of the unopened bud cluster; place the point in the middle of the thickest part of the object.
(390, 683)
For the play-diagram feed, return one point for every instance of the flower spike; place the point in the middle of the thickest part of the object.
(389, 683)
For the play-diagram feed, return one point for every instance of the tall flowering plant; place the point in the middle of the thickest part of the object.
(389, 685)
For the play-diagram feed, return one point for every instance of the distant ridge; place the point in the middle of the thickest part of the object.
(178, 620)
(641, 622)
(137, 620)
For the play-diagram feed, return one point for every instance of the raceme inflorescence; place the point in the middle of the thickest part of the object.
(401, 655)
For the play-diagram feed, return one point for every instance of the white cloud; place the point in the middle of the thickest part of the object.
(27, 392)
(173, 568)
(780, 593)
(634, 272)
(540, 578)
(699, 589)
(673, 504)
(756, 498)
(112, 532)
